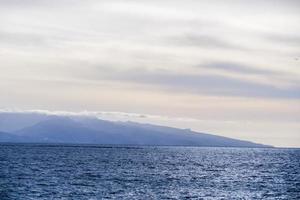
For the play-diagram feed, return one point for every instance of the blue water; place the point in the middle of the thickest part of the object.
(115, 172)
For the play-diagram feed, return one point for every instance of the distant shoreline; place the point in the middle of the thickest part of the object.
(89, 145)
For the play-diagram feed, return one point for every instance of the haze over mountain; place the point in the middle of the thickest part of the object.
(42, 128)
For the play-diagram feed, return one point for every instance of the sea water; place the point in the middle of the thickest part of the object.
(40, 171)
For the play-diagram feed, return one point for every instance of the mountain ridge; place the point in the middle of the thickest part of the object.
(91, 130)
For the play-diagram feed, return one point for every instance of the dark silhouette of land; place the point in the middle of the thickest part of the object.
(41, 128)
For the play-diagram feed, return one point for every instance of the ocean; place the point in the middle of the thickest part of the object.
(40, 171)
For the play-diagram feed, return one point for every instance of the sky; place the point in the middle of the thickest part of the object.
(225, 67)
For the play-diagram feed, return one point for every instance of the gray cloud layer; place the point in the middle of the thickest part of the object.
(202, 83)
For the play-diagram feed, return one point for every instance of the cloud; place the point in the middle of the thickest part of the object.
(204, 41)
(289, 40)
(111, 115)
(123, 37)
(22, 39)
(202, 84)
(238, 68)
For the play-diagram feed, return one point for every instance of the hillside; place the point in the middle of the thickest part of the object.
(88, 130)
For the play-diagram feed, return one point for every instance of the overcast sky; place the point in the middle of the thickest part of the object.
(226, 67)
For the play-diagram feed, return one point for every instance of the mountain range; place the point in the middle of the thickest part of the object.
(43, 128)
